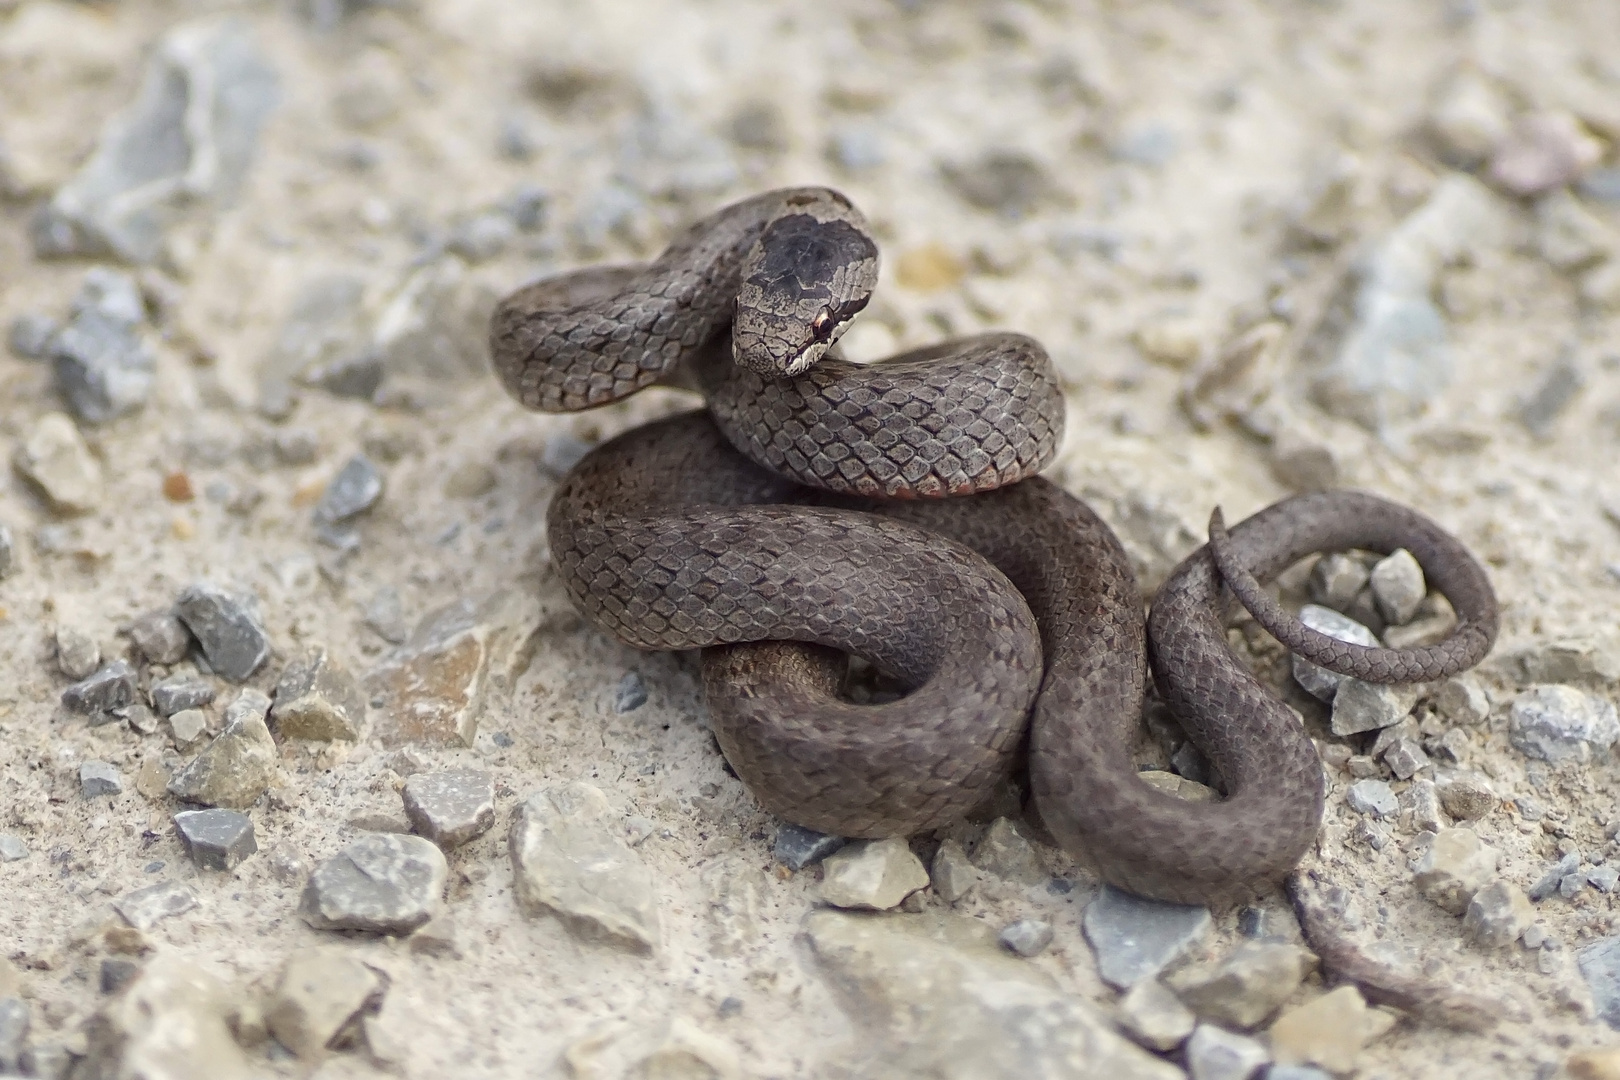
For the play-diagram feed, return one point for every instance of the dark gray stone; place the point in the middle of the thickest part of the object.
(97, 778)
(526, 206)
(1600, 966)
(798, 847)
(113, 687)
(355, 489)
(1549, 882)
(1136, 939)
(161, 637)
(13, 1034)
(30, 335)
(218, 839)
(116, 973)
(450, 807)
(227, 628)
(180, 692)
(384, 883)
(1027, 937)
(103, 368)
(631, 693)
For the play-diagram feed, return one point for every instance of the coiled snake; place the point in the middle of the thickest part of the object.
(812, 512)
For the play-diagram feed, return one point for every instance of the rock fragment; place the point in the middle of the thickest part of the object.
(1372, 797)
(1336, 580)
(450, 807)
(1599, 965)
(103, 369)
(1543, 151)
(1398, 587)
(1005, 853)
(383, 883)
(318, 1000)
(171, 1022)
(630, 694)
(1027, 937)
(952, 875)
(934, 995)
(1455, 867)
(1217, 1054)
(12, 848)
(178, 693)
(29, 336)
(1555, 876)
(1135, 939)
(238, 765)
(1154, 1017)
(1329, 1031)
(227, 628)
(1405, 758)
(187, 726)
(98, 778)
(797, 847)
(1244, 989)
(217, 839)
(569, 861)
(161, 637)
(1497, 914)
(872, 874)
(145, 908)
(1559, 723)
(54, 457)
(1462, 701)
(317, 699)
(1362, 706)
(77, 653)
(1467, 798)
(354, 490)
(1425, 800)
(113, 687)
(8, 553)
(1318, 681)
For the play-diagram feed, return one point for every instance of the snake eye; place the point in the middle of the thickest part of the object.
(821, 327)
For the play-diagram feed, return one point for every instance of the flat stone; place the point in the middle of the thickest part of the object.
(12, 848)
(217, 839)
(145, 908)
(54, 457)
(237, 767)
(1497, 914)
(99, 778)
(433, 689)
(1335, 581)
(1248, 986)
(1424, 799)
(1329, 1031)
(1318, 681)
(1549, 882)
(178, 693)
(1603, 878)
(227, 628)
(1027, 937)
(1468, 798)
(568, 860)
(383, 883)
(630, 694)
(935, 995)
(1216, 1054)
(161, 637)
(1561, 723)
(1004, 852)
(1405, 758)
(1455, 867)
(354, 490)
(1398, 586)
(317, 1002)
(1154, 1017)
(871, 874)
(1362, 706)
(113, 687)
(797, 847)
(1372, 797)
(952, 875)
(187, 726)
(317, 699)
(181, 148)
(171, 1022)
(77, 653)
(13, 1034)
(450, 807)
(1135, 939)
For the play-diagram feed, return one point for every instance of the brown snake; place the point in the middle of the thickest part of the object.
(1010, 612)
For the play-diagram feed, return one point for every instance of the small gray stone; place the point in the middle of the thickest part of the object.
(797, 847)
(1571, 885)
(1559, 723)
(1362, 706)
(12, 848)
(139, 718)
(13, 1034)
(1135, 939)
(228, 629)
(952, 874)
(98, 778)
(386, 615)
(1154, 1017)
(1603, 878)
(451, 807)
(237, 767)
(1599, 963)
(1335, 581)
(1248, 986)
(1319, 681)
(77, 653)
(1467, 798)
(317, 699)
(103, 368)
(188, 725)
(1216, 1054)
(180, 692)
(318, 996)
(217, 839)
(1372, 797)
(1405, 758)
(1497, 914)
(145, 908)
(562, 452)
(54, 457)
(116, 973)
(161, 637)
(872, 874)
(1004, 852)
(630, 694)
(29, 337)
(1462, 701)
(355, 489)
(1027, 937)
(1548, 883)
(1557, 391)
(384, 883)
(1425, 800)
(1454, 868)
(113, 687)
(1398, 587)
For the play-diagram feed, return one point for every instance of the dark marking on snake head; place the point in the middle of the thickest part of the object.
(804, 281)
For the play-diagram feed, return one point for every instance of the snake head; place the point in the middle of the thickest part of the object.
(803, 281)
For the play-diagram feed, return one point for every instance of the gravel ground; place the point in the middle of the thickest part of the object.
(1271, 247)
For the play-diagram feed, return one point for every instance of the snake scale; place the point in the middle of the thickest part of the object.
(819, 508)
